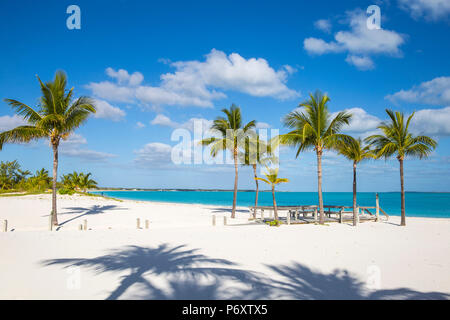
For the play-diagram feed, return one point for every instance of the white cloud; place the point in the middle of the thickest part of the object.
(361, 121)
(199, 83)
(71, 148)
(89, 155)
(140, 125)
(434, 92)
(359, 42)
(107, 111)
(429, 9)
(434, 122)
(11, 122)
(319, 46)
(74, 139)
(323, 25)
(361, 62)
(165, 121)
(111, 91)
(153, 154)
(262, 125)
(123, 77)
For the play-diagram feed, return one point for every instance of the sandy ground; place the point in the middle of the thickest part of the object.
(182, 256)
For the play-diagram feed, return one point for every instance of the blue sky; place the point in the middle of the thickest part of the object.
(153, 67)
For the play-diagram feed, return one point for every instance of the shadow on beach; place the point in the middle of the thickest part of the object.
(227, 210)
(191, 275)
(81, 211)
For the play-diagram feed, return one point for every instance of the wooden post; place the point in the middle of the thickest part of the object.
(296, 214)
(85, 227)
(80, 227)
(262, 214)
(315, 214)
(138, 223)
(5, 226)
(288, 217)
(147, 224)
(224, 220)
(357, 214)
(214, 220)
(340, 216)
(377, 204)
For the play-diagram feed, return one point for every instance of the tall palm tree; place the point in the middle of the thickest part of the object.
(314, 128)
(355, 152)
(272, 180)
(232, 138)
(397, 140)
(56, 116)
(258, 152)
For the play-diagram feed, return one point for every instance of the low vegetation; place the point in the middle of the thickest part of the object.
(15, 180)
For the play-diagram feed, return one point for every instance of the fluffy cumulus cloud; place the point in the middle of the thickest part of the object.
(165, 121)
(434, 122)
(429, 9)
(199, 83)
(10, 122)
(434, 92)
(360, 43)
(123, 77)
(72, 147)
(111, 91)
(107, 111)
(361, 62)
(361, 121)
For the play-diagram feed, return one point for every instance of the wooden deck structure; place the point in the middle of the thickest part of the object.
(310, 213)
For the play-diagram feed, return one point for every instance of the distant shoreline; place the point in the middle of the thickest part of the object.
(247, 190)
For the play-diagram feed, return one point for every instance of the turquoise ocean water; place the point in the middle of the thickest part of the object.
(418, 204)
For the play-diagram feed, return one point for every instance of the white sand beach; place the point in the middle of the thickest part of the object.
(182, 256)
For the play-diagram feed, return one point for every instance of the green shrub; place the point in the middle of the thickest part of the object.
(66, 191)
(274, 223)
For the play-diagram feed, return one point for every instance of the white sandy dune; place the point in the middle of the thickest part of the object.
(182, 256)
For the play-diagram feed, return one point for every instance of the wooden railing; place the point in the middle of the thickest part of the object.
(329, 210)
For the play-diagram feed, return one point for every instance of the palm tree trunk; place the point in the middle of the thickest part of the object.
(256, 195)
(319, 186)
(55, 176)
(355, 214)
(233, 212)
(402, 186)
(275, 212)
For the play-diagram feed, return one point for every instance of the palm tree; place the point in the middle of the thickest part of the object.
(272, 180)
(314, 129)
(355, 152)
(256, 152)
(85, 182)
(232, 138)
(397, 140)
(56, 116)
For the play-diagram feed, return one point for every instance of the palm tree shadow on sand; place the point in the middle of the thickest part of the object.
(81, 211)
(190, 275)
(301, 282)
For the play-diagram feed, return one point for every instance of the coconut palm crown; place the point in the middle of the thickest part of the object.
(396, 140)
(230, 135)
(56, 116)
(315, 128)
